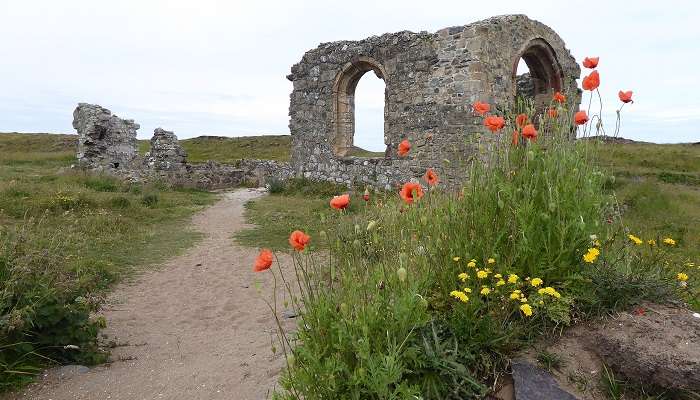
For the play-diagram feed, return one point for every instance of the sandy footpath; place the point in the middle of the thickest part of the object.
(193, 328)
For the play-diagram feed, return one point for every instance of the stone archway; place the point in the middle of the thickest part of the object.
(545, 76)
(344, 101)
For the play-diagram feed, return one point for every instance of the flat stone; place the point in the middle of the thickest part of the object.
(534, 383)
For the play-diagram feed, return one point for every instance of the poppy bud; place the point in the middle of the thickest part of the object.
(323, 235)
(356, 243)
(530, 155)
(371, 225)
(401, 273)
(365, 196)
(357, 229)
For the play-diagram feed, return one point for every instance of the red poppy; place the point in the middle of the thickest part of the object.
(592, 81)
(515, 139)
(431, 177)
(481, 108)
(529, 132)
(411, 191)
(404, 147)
(299, 240)
(559, 98)
(521, 120)
(625, 97)
(552, 112)
(580, 117)
(340, 202)
(590, 62)
(494, 123)
(264, 261)
(365, 196)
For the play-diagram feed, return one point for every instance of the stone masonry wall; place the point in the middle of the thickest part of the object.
(432, 79)
(108, 144)
(104, 140)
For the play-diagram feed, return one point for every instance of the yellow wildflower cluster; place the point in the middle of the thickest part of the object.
(516, 287)
(669, 241)
(682, 276)
(591, 255)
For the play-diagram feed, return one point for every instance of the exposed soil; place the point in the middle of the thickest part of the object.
(194, 328)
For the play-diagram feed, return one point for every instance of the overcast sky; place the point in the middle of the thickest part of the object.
(207, 67)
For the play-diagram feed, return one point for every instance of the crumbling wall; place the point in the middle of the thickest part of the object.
(107, 143)
(165, 154)
(431, 79)
(104, 140)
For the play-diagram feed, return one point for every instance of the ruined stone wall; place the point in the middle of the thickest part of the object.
(166, 152)
(104, 140)
(432, 79)
(108, 144)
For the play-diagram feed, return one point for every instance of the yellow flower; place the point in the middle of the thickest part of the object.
(526, 309)
(550, 291)
(541, 291)
(536, 282)
(635, 239)
(498, 276)
(523, 299)
(463, 277)
(591, 255)
(669, 241)
(485, 291)
(651, 242)
(490, 261)
(455, 259)
(682, 276)
(459, 296)
(515, 296)
(471, 264)
(500, 282)
(481, 274)
(512, 278)
(467, 290)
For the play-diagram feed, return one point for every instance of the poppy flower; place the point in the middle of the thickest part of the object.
(299, 240)
(552, 112)
(431, 177)
(521, 120)
(580, 117)
(340, 202)
(559, 98)
(365, 196)
(404, 147)
(264, 261)
(481, 108)
(529, 132)
(515, 139)
(592, 81)
(411, 191)
(625, 97)
(590, 62)
(494, 123)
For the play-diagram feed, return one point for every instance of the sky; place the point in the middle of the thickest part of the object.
(210, 67)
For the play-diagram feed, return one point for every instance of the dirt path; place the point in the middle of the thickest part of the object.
(196, 328)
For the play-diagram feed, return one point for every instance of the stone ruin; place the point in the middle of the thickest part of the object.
(431, 79)
(107, 143)
(166, 154)
(105, 140)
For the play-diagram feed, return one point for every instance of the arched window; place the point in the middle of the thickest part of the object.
(537, 73)
(350, 138)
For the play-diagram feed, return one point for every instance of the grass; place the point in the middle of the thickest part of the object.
(65, 237)
(231, 149)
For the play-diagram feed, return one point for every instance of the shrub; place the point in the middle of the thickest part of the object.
(120, 202)
(276, 186)
(46, 313)
(150, 199)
